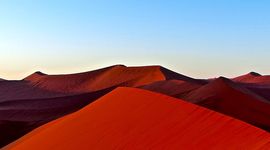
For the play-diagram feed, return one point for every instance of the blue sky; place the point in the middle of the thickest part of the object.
(199, 38)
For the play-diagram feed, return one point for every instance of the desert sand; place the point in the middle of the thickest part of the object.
(40, 98)
(129, 118)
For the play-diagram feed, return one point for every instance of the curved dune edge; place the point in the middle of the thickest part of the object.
(227, 97)
(247, 77)
(253, 78)
(129, 118)
(104, 78)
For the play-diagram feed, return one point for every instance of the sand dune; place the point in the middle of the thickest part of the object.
(247, 77)
(40, 98)
(247, 102)
(262, 90)
(40, 85)
(174, 88)
(15, 90)
(18, 117)
(253, 77)
(229, 98)
(118, 75)
(130, 118)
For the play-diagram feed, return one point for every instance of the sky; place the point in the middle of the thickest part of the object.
(202, 39)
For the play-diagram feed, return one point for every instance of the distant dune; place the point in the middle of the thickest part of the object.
(15, 90)
(118, 75)
(136, 119)
(175, 88)
(247, 77)
(253, 77)
(40, 98)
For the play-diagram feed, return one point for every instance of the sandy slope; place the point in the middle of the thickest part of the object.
(247, 77)
(39, 98)
(40, 85)
(15, 90)
(130, 118)
(253, 77)
(18, 117)
(104, 78)
(227, 97)
(262, 90)
(174, 88)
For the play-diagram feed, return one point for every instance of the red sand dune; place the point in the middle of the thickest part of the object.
(227, 97)
(104, 78)
(39, 98)
(256, 83)
(248, 102)
(174, 88)
(40, 85)
(15, 90)
(262, 90)
(18, 117)
(130, 118)
(253, 77)
(247, 77)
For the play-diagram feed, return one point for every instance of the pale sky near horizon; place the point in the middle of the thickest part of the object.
(197, 38)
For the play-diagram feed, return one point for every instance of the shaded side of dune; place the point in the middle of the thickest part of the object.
(227, 97)
(174, 88)
(15, 90)
(18, 117)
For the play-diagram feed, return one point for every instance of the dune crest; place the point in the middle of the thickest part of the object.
(118, 75)
(254, 78)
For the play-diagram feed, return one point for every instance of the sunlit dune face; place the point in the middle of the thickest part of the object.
(136, 119)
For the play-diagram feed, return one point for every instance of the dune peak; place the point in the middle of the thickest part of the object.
(118, 65)
(254, 73)
(34, 76)
(222, 80)
(39, 73)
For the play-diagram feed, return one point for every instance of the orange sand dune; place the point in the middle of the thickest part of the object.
(104, 78)
(130, 118)
(227, 97)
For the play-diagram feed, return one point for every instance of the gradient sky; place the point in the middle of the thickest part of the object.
(199, 38)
